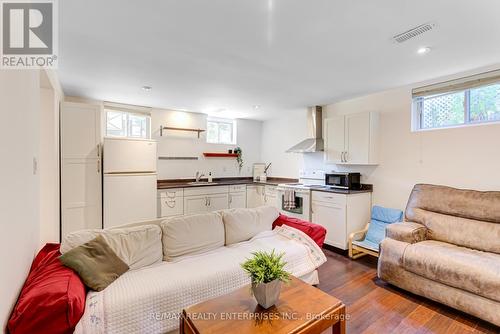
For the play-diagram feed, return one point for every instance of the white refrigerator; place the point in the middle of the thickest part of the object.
(129, 188)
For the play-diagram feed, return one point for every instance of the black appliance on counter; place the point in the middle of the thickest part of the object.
(348, 181)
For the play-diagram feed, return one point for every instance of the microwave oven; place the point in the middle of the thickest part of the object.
(343, 180)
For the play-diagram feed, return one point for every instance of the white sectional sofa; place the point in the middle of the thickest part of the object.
(181, 261)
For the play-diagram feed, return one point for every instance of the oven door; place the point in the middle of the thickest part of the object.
(302, 208)
(337, 181)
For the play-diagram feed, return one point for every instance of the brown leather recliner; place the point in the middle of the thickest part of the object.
(448, 249)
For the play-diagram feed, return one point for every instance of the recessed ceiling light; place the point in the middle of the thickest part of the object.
(256, 106)
(146, 88)
(423, 50)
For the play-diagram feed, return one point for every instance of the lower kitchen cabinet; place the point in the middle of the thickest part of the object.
(237, 200)
(205, 203)
(170, 202)
(218, 202)
(206, 199)
(255, 196)
(340, 214)
(195, 204)
(270, 196)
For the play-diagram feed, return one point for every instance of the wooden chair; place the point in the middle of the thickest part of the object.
(367, 241)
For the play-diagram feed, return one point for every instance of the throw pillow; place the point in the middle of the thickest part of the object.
(96, 263)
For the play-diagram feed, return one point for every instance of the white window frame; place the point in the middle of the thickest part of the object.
(218, 121)
(128, 125)
(487, 79)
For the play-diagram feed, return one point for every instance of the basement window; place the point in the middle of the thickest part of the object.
(221, 131)
(468, 101)
(127, 124)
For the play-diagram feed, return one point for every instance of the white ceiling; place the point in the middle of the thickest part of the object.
(205, 55)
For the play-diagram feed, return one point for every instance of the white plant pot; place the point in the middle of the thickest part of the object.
(267, 294)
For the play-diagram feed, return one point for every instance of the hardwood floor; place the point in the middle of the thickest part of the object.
(377, 307)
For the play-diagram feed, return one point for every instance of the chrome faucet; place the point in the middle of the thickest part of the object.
(198, 176)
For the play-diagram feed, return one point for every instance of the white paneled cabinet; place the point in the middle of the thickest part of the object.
(255, 196)
(170, 202)
(195, 204)
(218, 202)
(334, 139)
(352, 139)
(340, 214)
(238, 196)
(270, 196)
(237, 200)
(206, 199)
(81, 180)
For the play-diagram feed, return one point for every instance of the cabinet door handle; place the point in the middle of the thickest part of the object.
(170, 204)
(342, 156)
(98, 150)
(230, 199)
(209, 202)
(206, 201)
(98, 166)
(346, 156)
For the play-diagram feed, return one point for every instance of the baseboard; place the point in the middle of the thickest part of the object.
(336, 250)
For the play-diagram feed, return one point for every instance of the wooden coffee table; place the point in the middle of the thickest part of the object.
(301, 309)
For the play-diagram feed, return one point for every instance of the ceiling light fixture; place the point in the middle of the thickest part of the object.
(424, 50)
(256, 106)
(147, 88)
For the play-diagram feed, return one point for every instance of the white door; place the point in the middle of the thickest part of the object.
(335, 139)
(80, 131)
(80, 195)
(357, 142)
(195, 204)
(333, 218)
(81, 182)
(237, 200)
(218, 202)
(129, 198)
(129, 155)
(255, 196)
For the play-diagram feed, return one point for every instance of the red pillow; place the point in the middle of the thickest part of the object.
(52, 299)
(314, 231)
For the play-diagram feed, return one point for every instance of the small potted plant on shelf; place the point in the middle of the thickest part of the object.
(239, 157)
(267, 272)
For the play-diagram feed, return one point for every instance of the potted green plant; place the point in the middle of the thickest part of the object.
(239, 157)
(266, 270)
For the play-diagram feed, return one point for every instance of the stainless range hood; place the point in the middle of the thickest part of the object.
(315, 125)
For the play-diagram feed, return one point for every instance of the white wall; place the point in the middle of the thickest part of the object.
(280, 134)
(467, 157)
(186, 144)
(19, 239)
(48, 165)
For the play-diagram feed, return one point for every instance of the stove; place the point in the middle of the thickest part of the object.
(308, 179)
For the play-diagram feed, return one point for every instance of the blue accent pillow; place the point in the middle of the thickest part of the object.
(381, 217)
(387, 215)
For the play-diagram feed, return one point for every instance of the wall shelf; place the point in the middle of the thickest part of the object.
(220, 155)
(180, 129)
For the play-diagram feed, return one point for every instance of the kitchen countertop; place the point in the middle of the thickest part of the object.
(365, 188)
(228, 181)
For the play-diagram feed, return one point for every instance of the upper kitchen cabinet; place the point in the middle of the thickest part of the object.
(352, 139)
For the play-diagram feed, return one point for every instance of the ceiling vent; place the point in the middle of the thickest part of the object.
(414, 32)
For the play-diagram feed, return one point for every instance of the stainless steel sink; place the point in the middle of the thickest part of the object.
(201, 183)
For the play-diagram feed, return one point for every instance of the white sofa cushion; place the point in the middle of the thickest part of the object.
(243, 224)
(137, 246)
(191, 234)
